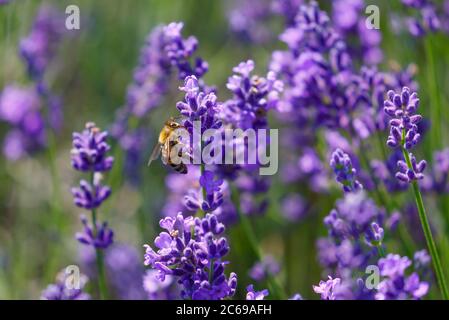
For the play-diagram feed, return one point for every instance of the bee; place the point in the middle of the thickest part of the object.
(168, 138)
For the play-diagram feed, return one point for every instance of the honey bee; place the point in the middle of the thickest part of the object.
(168, 138)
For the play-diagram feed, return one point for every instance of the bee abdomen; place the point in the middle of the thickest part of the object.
(181, 168)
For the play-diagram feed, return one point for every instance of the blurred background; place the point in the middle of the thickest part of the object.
(90, 72)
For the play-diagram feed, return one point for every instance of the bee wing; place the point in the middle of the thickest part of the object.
(155, 153)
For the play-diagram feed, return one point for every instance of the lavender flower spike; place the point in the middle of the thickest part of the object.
(255, 295)
(90, 149)
(345, 173)
(60, 290)
(192, 250)
(326, 288)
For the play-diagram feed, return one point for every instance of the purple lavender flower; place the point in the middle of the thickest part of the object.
(39, 47)
(404, 131)
(157, 289)
(123, 267)
(294, 207)
(102, 238)
(198, 106)
(63, 290)
(20, 107)
(396, 285)
(90, 150)
(353, 216)
(255, 295)
(326, 288)
(89, 154)
(425, 20)
(192, 251)
(345, 173)
(265, 268)
(90, 196)
(253, 97)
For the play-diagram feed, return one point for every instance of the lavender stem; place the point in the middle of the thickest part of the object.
(427, 232)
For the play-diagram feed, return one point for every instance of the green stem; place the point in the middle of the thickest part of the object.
(102, 288)
(436, 108)
(274, 287)
(427, 232)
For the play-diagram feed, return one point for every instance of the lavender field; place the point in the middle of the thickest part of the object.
(226, 149)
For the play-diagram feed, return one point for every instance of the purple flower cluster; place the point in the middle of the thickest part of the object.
(101, 238)
(192, 250)
(157, 289)
(255, 295)
(198, 106)
(345, 173)
(39, 47)
(350, 21)
(249, 19)
(321, 87)
(21, 108)
(253, 97)
(404, 131)
(66, 288)
(395, 284)
(265, 268)
(425, 19)
(124, 270)
(89, 154)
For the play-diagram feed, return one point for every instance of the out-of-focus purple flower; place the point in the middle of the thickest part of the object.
(124, 270)
(395, 284)
(265, 268)
(255, 295)
(90, 150)
(101, 238)
(294, 207)
(39, 47)
(20, 107)
(66, 288)
(353, 216)
(296, 296)
(326, 288)
(157, 289)
(349, 19)
(192, 250)
(345, 173)
(421, 259)
(425, 19)
(90, 196)
(437, 180)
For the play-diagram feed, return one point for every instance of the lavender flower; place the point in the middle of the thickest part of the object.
(345, 173)
(425, 20)
(101, 238)
(265, 268)
(396, 285)
(21, 108)
(89, 154)
(253, 97)
(39, 47)
(192, 251)
(64, 288)
(255, 295)
(326, 288)
(157, 289)
(404, 131)
(353, 216)
(90, 150)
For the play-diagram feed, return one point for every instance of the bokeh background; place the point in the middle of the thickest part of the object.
(91, 71)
